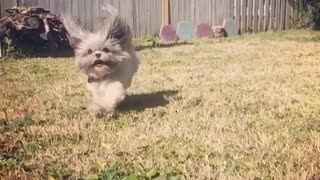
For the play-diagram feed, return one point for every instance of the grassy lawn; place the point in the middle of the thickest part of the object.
(244, 108)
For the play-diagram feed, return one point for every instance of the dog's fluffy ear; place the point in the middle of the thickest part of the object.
(75, 33)
(113, 27)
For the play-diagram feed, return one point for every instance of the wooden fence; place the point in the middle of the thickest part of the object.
(251, 15)
(144, 16)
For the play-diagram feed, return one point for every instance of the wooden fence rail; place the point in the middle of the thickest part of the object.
(145, 16)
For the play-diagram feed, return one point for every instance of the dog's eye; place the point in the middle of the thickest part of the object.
(106, 50)
(90, 51)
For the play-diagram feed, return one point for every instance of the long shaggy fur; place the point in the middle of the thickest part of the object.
(106, 55)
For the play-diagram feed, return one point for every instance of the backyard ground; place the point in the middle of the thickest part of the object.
(243, 108)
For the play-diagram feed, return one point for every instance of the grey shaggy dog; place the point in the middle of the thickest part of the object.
(107, 56)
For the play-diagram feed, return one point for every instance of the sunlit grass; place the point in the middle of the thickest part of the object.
(236, 108)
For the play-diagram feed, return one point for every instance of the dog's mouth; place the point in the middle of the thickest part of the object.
(100, 63)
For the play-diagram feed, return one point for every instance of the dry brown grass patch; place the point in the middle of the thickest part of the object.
(218, 109)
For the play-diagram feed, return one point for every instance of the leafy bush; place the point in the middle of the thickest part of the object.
(13, 50)
(310, 14)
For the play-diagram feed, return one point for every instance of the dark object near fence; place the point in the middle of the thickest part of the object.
(32, 31)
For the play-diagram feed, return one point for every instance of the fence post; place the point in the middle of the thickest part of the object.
(1, 51)
(165, 12)
(18, 3)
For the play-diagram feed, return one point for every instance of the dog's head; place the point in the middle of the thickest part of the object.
(99, 52)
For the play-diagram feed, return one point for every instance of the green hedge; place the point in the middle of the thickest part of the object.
(310, 14)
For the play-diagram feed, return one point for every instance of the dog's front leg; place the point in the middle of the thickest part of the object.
(107, 98)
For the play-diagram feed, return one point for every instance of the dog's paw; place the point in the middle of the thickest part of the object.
(96, 111)
(110, 115)
(101, 113)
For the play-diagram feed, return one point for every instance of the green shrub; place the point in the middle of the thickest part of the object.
(310, 14)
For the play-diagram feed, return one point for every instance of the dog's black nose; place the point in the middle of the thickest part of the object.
(98, 55)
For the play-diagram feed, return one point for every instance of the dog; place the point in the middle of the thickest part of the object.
(107, 57)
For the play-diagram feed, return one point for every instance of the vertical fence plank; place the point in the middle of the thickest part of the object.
(187, 7)
(173, 12)
(146, 22)
(282, 15)
(288, 15)
(180, 10)
(139, 15)
(261, 14)
(291, 16)
(21, 2)
(221, 11)
(213, 13)
(210, 14)
(207, 12)
(52, 5)
(157, 17)
(166, 4)
(278, 14)
(95, 12)
(232, 8)
(225, 9)
(217, 12)
(1, 13)
(68, 6)
(199, 11)
(255, 15)
(158, 11)
(249, 18)
(202, 11)
(147, 16)
(267, 15)
(100, 4)
(143, 17)
(153, 17)
(89, 14)
(192, 12)
(137, 19)
(82, 12)
(272, 13)
(295, 11)
(75, 10)
(1, 9)
(228, 9)
(7, 4)
(243, 15)
(62, 6)
(44, 4)
(237, 11)
(196, 11)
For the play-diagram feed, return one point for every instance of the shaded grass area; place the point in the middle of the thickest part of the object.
(238, 108)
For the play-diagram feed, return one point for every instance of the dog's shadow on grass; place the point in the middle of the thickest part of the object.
(140, 102)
